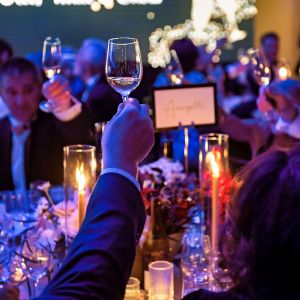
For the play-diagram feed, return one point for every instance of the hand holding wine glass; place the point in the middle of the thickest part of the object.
(124, 69)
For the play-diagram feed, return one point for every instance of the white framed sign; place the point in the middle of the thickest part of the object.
(185, 106)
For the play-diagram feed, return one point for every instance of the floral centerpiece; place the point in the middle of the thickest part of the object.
(178, 192)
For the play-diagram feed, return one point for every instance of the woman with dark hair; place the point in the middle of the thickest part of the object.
(263, 231)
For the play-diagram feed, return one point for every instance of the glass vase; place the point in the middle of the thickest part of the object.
(215, 181)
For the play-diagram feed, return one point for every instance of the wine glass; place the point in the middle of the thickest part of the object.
(262, 75)
(174, 69)
(51, 57)
(195, 261)
(35, 260)
(260, 66)
(123, 69)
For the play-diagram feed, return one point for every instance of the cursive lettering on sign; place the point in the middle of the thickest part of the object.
(172, 108)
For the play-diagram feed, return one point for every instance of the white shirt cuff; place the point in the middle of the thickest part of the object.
(292, 129)
(123, 173)
(69, 114)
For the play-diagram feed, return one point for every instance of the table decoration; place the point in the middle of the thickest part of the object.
(178, 192)
(215, 182)
(161, 282)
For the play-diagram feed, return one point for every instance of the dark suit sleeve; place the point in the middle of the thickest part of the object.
(77, 131)
(100, 259)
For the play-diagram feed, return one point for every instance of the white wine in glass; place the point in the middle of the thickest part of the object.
(51, 58)
(124, 68)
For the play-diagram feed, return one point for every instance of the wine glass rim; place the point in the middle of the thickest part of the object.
(50, 39)
(130, 40)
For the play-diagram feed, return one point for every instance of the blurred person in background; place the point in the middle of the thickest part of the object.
(98, 97)
(67, 65)
(31, 141)
(241, 88)
(6, 52)
(282, 100)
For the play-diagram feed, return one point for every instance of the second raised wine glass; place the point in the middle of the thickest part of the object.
(124, 68)
(51, 58)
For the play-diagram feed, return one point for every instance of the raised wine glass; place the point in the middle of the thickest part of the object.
(260, 66)
(51, 58)
(262, 74)
(124, 68)
(174, 69)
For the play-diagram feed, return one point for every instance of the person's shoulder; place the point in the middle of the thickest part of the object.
(207, 295)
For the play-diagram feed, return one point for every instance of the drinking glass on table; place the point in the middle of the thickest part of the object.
(35, 260)
(195, 261)
(124, 68)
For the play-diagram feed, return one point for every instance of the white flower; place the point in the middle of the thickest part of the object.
(72, 226)
(170, 170)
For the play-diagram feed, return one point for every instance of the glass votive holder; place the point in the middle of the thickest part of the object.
(161, 282)
(17, 205)
(79, 176)
(132, 291)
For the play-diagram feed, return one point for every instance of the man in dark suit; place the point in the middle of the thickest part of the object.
(98, 97)
(100, 259)
(31, 141)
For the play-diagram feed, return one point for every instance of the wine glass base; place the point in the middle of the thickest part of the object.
(45, 107)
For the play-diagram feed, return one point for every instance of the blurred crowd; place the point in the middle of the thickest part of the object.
(258, 104)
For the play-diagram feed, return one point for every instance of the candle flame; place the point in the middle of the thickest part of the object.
(211, 159)
(80, 178)
(215, 169)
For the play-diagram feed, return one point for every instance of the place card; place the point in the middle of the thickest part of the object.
(185, 106)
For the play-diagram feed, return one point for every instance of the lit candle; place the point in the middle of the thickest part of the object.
(186, 150)
(284, 73)
(81, 194)
(215, 205)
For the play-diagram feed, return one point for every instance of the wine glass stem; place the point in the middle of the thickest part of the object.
(125, 99)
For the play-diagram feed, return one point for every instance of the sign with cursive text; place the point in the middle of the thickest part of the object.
(185, 106)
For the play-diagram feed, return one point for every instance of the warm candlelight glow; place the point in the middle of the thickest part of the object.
(214, 200)
(215, 169)
(81, 183)
(80, 178)
(186, 150)
(284, 73)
